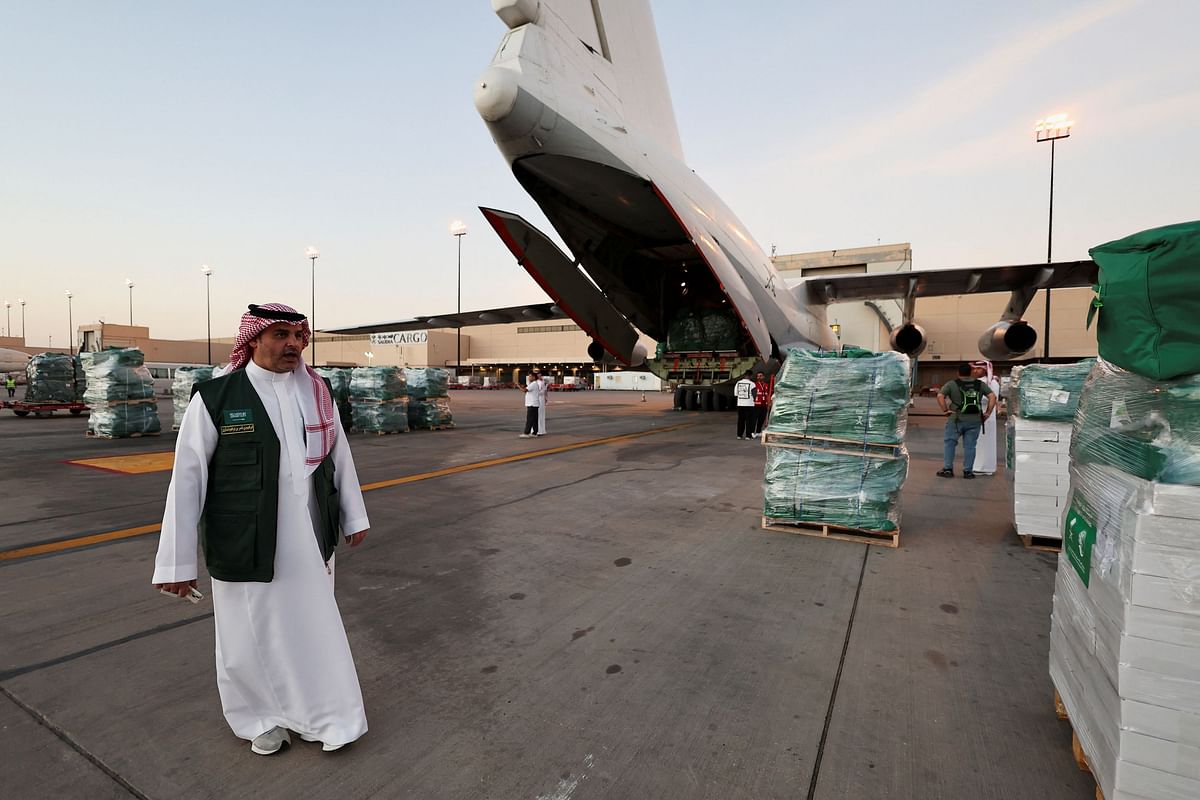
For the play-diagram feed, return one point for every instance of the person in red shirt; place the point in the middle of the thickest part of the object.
(764, 393)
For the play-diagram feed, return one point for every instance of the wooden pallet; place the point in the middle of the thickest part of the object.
(1043, 544)
(379, 433)
(825, 531)
(94, 435)
(849, 447)
(1081, 759)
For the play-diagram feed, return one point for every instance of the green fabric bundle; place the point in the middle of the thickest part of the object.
(1144, 427)
(123, 419)
(1149, 301)
(693, 330)
(116, 374)
(380, 417)
(339, 386)
(859, 396)
(51, 378)
(1048, 391)
(833, 488)
(181, 388)
(382, 384)
(431, 412)
(426, 382)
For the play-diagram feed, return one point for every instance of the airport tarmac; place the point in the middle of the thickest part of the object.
(590, 614)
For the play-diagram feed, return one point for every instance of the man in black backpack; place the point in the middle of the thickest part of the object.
(962, 400)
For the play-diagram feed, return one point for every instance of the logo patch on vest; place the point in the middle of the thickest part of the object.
(237, 420)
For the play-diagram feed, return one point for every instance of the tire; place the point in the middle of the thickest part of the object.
(75, 412)
(681, 398)
(21, 413)
(707, 400)
(693, 400)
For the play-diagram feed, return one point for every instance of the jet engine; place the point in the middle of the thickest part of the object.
(599, 355)
(909, 339)
(1006, 340)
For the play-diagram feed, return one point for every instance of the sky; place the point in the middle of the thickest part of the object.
(141, 140)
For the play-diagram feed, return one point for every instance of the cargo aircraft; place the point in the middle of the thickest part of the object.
(576, 100)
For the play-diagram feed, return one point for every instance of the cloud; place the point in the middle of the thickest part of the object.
(969, 88)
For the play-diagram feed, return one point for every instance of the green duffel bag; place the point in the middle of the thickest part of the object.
(1149, 301)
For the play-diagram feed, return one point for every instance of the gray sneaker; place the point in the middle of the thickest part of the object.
(271, 742)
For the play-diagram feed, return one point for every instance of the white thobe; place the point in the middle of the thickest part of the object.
(542, 392)
(985, 450)
(282, 655)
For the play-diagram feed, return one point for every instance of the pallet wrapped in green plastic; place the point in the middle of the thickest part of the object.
(1048, 391)
(116, 375)
(123, 420)
(432, 412)
(181, 388)
(695, 330)
(382, 384)
(1148, 301)
(51, 378)
(856, 396)
(1144, 427)
(426, 382)
(830, 488)
(339, 384)
(376, 417)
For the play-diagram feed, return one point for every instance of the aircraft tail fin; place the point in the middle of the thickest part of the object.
(620, 62)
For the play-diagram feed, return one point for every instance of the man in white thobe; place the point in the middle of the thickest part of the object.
(283, 661)
(985, 450)
(543, 392)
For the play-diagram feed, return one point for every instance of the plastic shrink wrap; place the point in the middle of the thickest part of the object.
(378, 399)
(181, 389)
(432, 412)
(424, 382)
(381, 384)
(856, 396)
(339, 385)
(831, 488)
(1047, 391)
(702, 329)
(1125, 632)
(378, 417)
(52, 378)
(120, 393)
(835, 437)
(115, 375)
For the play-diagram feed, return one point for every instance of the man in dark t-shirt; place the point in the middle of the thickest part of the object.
(966, 402)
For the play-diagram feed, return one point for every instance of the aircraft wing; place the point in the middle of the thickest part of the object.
(535, 312)
(937, 282)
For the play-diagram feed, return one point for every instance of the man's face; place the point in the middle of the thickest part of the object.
(278, 348)
(760, 376)
(978, 372)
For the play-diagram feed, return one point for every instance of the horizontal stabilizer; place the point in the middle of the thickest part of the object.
(566, 285)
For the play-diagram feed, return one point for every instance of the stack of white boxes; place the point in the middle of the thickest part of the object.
(1125, 648)
(1039, 462)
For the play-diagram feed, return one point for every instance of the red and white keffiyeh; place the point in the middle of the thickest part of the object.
(316, 404)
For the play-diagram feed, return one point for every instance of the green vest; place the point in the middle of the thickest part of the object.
(240, 518)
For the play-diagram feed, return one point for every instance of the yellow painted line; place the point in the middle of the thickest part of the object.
(136, 464)
(79, 541)
(142, 530)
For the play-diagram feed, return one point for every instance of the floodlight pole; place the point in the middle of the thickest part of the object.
(207, 270)
(1051, 130)
(458, 230)
(70, 325)
(312, 253)
(22, 302)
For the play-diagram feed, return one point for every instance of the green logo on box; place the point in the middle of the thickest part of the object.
(1079, 536)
